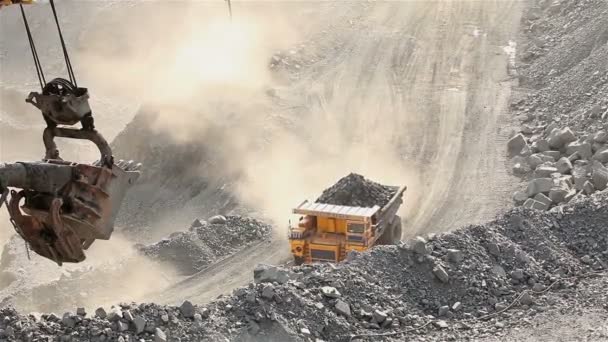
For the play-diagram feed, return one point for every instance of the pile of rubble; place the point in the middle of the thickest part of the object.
(562, 65)
(560, 165)
(207, 242)
(562, 147)
(356, 191)
(526, 262)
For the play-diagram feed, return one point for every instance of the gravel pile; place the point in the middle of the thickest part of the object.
(442, 285)
(559, 165)
(563, 65)
(356, 191)
(562, 146)
(207, 242)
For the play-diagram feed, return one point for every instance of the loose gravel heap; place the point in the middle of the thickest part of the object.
(452, 286)
(356, 191)
(559, 165)
(562, 146)
(563, 65)
(207, 242)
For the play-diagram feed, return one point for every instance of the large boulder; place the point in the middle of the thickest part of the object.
(544, 171)
(582, 147)
(540, 145)
(563, 165)
(558, 138)
(601, 155)
(516, 145)
(580, 176)
(599, 176)
(271, 274)
(534, 161)
(601, 137)
(539, 185)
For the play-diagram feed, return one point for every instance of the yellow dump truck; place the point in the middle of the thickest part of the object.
(327, 232)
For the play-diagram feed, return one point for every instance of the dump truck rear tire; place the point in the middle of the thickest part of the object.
(397, 230)
(298, 261)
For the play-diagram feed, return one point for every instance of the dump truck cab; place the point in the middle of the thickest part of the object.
(326, 232)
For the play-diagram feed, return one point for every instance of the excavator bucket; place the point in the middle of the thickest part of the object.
(67, 206)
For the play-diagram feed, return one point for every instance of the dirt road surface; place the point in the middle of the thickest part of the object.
(438, 71)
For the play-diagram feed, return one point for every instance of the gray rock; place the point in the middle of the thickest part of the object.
(517, 274)
(493, 249)
(559, 195)
(516, 144)
(342, 308)
(441, 324)
(114, 315)
(550, 127)
(574, 157)
(218, 219)
(443, 311)
(536, 205)
(543, 199)
(601, 137)
(541, 145)
(499, 271)
(330, 292)
(455, 256)
(539, 185)
(81, 312)
(159, 336)
(419, 245)
(140, 324)
(379, 316)
(583, 148)
(544, 171)
(554, 155)
(519, 197)
(599, 176)
(538, 287)
(441, 274)
(601, 156)
(534, 161)
(68, 321)
(127, 315)
(579, 174)
(457, 307)
(122, 326)
(526, 299)
(270, 274)
(268, 291)
(518, 168)
(187, 309)
(101, 313)
(563, 165)
(588, 188)
(197, 223)
(250, 298)
(558, 138)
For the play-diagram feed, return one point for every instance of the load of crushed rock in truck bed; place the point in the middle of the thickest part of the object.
(444, 285)
(206, 242)
(356, 191)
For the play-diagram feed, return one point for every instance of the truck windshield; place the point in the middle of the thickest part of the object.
(356, 228)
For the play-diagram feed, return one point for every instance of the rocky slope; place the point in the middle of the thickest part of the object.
(474, 283)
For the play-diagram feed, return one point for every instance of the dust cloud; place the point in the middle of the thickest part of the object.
(113, 272)
(209, 80)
